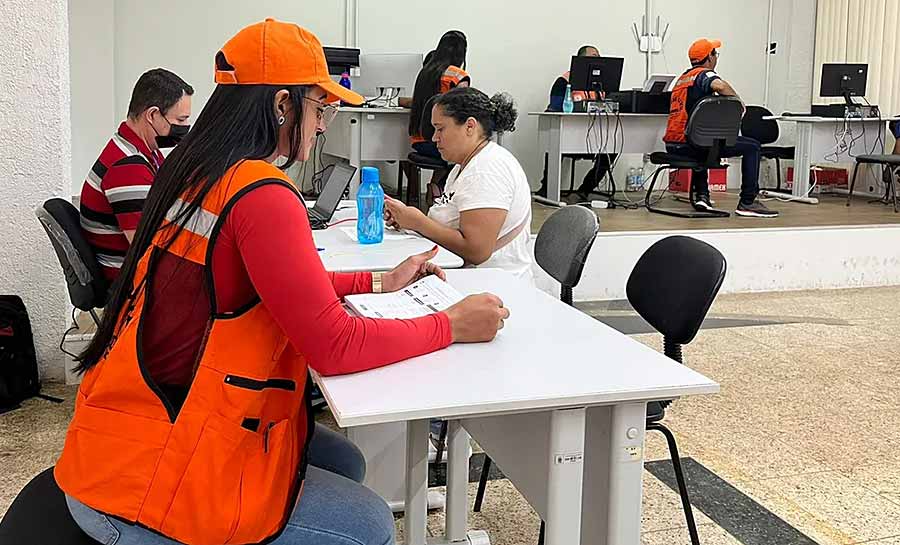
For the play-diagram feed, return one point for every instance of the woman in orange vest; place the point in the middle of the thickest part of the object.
(192, 423)
(441, 73)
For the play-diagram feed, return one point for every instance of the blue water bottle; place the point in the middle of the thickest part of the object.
(370, 208)
(345, 82)
(568, 105)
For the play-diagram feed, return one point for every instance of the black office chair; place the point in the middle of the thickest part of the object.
(714, 124)
(39, 515)
(416, 162)
(890, 163)
(87, 286)
(675, 305)
(765, 131)
(561, 249)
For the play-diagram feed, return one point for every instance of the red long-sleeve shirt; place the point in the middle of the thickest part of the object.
(266, 249)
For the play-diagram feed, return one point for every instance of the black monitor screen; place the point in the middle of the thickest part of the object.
(840, 80)
(596, 73)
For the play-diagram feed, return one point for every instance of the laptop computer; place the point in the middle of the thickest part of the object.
(335, 178)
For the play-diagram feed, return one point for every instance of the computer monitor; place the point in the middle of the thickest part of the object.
(844, 80)
(600, 74)
(392, 71)
(341, 59)
(658, 83)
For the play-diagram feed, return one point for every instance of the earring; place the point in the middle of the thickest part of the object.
(281, 121)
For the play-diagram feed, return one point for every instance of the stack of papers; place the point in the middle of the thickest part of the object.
(427, 296)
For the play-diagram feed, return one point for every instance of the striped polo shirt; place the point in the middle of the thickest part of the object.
(113, 194)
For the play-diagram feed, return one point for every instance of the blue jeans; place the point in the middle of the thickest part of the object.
(335, 509)
(747, 149)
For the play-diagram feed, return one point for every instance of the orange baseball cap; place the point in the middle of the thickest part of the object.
(702, 48)
(277, 53)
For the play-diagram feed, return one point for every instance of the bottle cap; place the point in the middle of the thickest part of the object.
(370, 174)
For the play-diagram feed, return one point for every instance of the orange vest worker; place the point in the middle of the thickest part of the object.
(228, 467)
(678, 114)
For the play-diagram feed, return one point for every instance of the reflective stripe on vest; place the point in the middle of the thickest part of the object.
(228, 466)
(678, 114)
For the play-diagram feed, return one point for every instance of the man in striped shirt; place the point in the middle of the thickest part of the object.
(114, 191)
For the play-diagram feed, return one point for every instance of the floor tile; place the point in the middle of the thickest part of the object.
(854, 512)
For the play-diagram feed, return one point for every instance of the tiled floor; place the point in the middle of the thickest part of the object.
(805, 424)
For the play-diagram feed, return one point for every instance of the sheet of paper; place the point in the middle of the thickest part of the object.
(427, 296)
(389, 234)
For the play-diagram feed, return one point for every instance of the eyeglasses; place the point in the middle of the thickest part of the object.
(325, 113)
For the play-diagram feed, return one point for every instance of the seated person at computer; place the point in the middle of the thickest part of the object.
(443, 72)
(484, 215)
(696, 83)
(604, 160)
(114, 191)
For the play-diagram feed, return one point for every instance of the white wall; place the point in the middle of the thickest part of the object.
(742, 27)
(92, 69)
(34, 162)
(184, 36)
(791, 79)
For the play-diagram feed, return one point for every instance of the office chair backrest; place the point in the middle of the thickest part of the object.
(426, 129)
(715, 120)
(563, 244)
(84, 278)
(673, 285)
(764, 131)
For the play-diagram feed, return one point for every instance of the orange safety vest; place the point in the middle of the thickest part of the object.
(580, 96)
(678, 114)
(228, 467)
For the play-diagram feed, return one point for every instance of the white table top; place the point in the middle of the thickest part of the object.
(380, 110)
(343, 254)
(585, 114)
(548, 356)
(812, 119)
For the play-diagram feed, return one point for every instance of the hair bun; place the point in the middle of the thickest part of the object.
(503, 112)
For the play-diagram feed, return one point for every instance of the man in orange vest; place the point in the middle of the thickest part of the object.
(602, 161)
(698, 82)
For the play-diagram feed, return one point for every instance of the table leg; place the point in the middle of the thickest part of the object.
(802, 160)
(613, 475)
(565, 477)
(355, 152)
(457, 481)
(416, 482)
(551, 135)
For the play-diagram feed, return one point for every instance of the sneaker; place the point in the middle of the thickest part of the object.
(702, 203)
(755, 209)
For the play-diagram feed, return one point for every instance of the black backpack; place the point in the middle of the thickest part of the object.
(18, 364)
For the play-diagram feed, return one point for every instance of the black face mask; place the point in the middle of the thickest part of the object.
(176, 133)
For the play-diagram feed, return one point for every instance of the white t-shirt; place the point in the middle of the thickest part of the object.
(492, 179)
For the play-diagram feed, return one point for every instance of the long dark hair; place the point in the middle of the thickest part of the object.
(451, 51)
(237, 123)
(495, 114)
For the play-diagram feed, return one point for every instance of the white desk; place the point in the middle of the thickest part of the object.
(343, 254)
(564, 421)
(816, 145)
(368, 134)
(560, 133)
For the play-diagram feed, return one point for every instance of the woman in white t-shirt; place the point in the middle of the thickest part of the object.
(484, 215)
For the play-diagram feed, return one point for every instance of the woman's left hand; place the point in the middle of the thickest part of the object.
(411, 270)
(399, 216)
